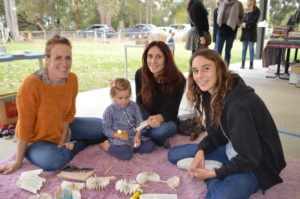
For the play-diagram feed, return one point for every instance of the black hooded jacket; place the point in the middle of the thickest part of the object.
(249, 125)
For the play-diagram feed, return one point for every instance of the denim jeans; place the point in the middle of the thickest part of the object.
(235, 186)
(166, 129)
(48, 156)
(220, 40)
(251, 49)
(125, 152)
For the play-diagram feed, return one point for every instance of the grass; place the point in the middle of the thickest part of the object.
(95, 63)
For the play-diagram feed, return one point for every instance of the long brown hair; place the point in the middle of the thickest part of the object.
(169, 78)
(201, 101)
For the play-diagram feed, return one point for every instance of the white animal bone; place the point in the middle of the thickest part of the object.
(173, 182)
(127, 186)
(146, 176)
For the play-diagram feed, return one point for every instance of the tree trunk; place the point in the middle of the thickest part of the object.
(77, 15)
(11, 19)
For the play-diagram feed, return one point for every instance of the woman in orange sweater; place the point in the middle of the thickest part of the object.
(46, 107)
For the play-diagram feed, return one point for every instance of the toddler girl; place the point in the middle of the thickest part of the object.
(120, 121)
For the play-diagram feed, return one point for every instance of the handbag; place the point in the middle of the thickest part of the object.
(207, 37)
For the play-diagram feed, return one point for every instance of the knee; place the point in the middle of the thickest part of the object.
(125, 156)
(172, 156)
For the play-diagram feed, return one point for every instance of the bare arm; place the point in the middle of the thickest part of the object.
(12, 167)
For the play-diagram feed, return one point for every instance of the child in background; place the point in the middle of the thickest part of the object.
(120, 121)
(170, 41)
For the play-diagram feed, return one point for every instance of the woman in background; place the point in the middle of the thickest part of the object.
(198, 36)
(249, 31)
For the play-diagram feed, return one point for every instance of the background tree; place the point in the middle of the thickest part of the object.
(281, 10)
(11, 18)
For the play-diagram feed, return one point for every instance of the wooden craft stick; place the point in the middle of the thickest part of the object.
(124, 174)
(109, 168)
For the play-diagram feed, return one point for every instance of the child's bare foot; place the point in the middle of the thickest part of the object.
(104, 145)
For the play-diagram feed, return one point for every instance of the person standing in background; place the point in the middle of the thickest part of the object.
(215, 30)
(230, 17)
(249, 31)
(198, 36)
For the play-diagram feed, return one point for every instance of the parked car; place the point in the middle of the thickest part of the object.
(99, 28)
(141, 31)
(167, 29)
(181, 27)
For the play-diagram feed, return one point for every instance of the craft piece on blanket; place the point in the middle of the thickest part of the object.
(158, 196)
(127, 186)
(31, 181)
(41, 196)
(76, 173)
(72, 185)
(67, 194)
(146, 176)
(209, 164)
(97, 183)
(173, 182)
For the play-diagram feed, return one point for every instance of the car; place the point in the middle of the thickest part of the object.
(181, 27)
(167, 29)
(99, 28)
(141, 31)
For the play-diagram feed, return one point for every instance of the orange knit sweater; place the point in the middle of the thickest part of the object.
(42, 109)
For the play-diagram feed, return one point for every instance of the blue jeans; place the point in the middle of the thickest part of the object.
(235, 186)
(166, 129)
(220, 44)
(251, 49)
(125, 152)
(48, 156)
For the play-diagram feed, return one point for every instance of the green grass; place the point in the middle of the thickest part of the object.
(95, 63)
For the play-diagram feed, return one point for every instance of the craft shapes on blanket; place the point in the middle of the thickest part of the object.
(41, 196)
(76, 173)
(98, 183)
(67, 194)
(173, 182)
(72, 185)
(209, 164)
(31, 181)
(146, 176)
(158, 196)
(127, 186)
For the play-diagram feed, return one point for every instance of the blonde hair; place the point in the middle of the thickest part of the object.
(56, 39)
(119, 84)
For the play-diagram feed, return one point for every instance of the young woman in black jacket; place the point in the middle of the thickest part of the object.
(249, 31)
(242, 135)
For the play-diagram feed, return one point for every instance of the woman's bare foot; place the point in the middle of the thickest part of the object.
(104, 145)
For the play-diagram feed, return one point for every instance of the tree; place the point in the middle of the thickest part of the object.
(11, 19)
(281, 10)
(107, 9)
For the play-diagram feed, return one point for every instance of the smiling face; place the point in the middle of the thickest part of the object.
(155, 60)
(59, 63)
(204, 73)
(122, 98)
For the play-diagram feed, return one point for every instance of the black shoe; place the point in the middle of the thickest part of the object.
(166, 144)
(243, 65)
(251, 65)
